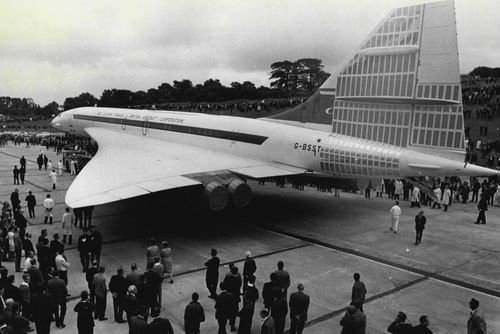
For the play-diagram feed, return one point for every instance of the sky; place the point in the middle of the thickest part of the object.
(50, 50)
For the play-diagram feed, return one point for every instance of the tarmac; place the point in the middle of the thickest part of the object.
(322, 239)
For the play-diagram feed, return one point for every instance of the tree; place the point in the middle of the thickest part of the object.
(83, 100)
(116, 98)
(182, 89)
(310, 74)
(51, 109)
(284, 75)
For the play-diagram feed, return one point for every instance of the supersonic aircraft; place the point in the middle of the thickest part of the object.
(394, 110)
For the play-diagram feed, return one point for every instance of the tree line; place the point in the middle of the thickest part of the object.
(301, 77)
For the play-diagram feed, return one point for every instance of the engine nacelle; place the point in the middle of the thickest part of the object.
(217, 196)
(240, 192)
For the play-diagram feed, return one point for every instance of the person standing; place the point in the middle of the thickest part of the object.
(134, 275)
(415, 197)
(226, 308)
(31, 203)
(395, 212)
(95, 245)
(159, 325)
(42, 310)
(151, 252)
(193, 315)
(78, 212)
(446, 200)
(39, 161)
(87, 216)
(420, 222)
(85, 309)
(299, 305)
(62, 265)
(482, 206)
(249, 268)
(437, 195)
(24, 288)
(22, 173)
(53, 177)
(118, 286)
(84, 249)
(476, 323)
(138, 324)
(279, 310)
(233, 284)
(101, 292)
(166, 260)
(423, 326)
(60, 167)
(399, 325)
(58, 291)
(212, 275)
(22, 161)
(358, 294)
(48, 204)
(15, 173)
(68, 219)
(267, 326)
(353, 321)
(246, 315)
(130, 302)
(14, 200)
(282, 278)
(475, 190)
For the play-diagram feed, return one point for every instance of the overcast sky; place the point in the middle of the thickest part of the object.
(50, 50)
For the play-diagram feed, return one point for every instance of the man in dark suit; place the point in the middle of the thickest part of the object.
(118, 286)
(420, 222)
(11, 291)
(299, 304)
(282, 278)
(267, 326)
(159, 325)
(130, 303)
(267, 291)
(476, 323)
(84, 249)
(482, 206)
(15, 171)
(31, 203)
(358, 293)
(226, 308)
(193, 315)
(14, 200)
(399, 325)
(101, 291)
(138, 324)
(423, 326)
(95, 245)
(212, 276)
(279, 310)
(233, 284)
(89, 276)
(42, 310)
(85, 309)
(19, 323)
(249, 269)
(58, 291)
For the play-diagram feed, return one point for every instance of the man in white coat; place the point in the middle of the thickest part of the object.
(438, 195)
(60, 167)
(395, 212)
(53, 176)
(446, 197)
(48, 204)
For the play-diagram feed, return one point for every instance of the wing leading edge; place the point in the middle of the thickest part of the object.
(127, 166)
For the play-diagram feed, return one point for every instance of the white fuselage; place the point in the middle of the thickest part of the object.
(315, 151)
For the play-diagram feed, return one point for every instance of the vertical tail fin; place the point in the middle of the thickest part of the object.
(402, 87)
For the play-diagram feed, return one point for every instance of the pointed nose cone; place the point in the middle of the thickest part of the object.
(474, 170)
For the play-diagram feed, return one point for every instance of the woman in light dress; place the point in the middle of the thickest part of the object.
(166, 260)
